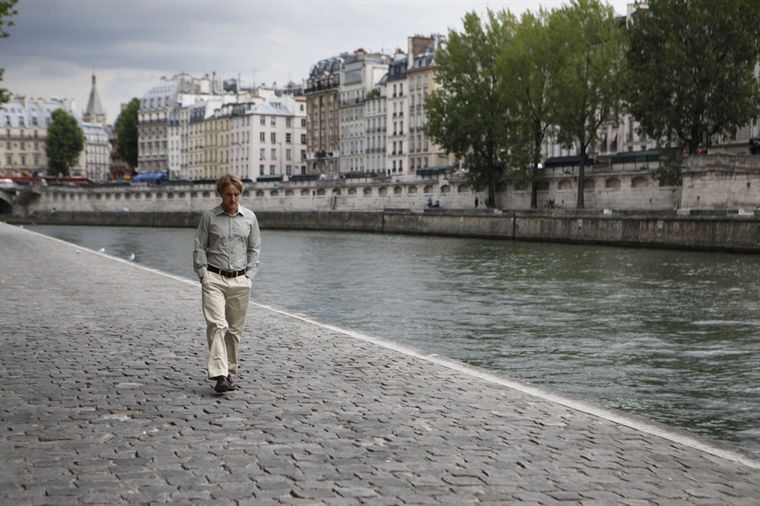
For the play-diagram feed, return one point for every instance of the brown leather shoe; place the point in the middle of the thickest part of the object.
(222, 385)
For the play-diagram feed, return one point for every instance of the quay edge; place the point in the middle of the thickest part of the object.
(715, 231)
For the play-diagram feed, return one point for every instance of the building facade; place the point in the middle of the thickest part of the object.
(157, 108)
(397, 110)
(23, 130)
(322, 104)
(95, 160)
(268, 138)
(359, 75)
(375, 127)
(423, 152)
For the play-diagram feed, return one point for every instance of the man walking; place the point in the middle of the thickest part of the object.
(226, 258)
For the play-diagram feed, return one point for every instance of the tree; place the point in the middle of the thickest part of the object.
(526, 65)
(588, 82)
(126, 132)
(7, 10)
(64, 143)
(467, 113)
(691, 69)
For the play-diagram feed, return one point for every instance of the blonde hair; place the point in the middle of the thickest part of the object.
(228, 179)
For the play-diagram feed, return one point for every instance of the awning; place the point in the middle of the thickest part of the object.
(567, 161)
(652, 155)
(150, 176)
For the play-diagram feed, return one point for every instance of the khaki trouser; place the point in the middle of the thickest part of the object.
(225, 302)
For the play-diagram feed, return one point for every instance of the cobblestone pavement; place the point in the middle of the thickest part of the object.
(103, 399)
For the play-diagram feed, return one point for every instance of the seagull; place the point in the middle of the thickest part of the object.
(131, 256)
(102, 250)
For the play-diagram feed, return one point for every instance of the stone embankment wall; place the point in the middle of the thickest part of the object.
(624, 206)
(735, 233)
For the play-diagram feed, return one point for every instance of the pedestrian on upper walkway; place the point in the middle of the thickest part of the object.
(226, 259)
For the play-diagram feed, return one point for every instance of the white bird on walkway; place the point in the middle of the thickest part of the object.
(102, 250)
(131, 256)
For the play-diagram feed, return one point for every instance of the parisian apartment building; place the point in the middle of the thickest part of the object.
(366, 112)
(201, 128)
(25, 121)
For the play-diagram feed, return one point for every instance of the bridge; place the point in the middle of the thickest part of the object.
(12, 195)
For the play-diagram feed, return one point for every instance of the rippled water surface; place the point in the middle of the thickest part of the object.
(671, 335)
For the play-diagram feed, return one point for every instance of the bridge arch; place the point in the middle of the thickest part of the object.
(6, 205)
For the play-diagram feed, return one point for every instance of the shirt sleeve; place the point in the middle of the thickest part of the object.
(253, 249)
(200, 245)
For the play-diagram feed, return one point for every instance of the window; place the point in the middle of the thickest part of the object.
(262, 153)
(401, 89)
(273, 136)
(288, 169)
(274, 154)
(263, 120)
(303, 138)
(273, 121)
(289, 122)
(400, 165)
(262, 136)
(303, 121)
(261, 169)
(303, 154)
(288, 137)
(271, 170)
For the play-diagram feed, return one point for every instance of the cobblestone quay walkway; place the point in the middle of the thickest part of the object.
(103, 399)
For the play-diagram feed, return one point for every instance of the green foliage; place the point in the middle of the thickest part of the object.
(64, 143)
(587, 89)
(126, 132)
(467, 114)
(527, 66)
(7, 10)
(691, 69)
(669, 171)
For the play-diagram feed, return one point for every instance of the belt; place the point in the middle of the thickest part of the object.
(226, 274)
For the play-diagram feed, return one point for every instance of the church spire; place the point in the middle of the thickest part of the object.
(94, 112)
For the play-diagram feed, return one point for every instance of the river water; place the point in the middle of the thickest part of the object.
(670, 335)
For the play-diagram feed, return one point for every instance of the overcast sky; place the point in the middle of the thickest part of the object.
(56, 45)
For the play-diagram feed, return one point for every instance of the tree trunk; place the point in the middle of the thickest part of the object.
(537, 139)
(581, 178)
(491, 202)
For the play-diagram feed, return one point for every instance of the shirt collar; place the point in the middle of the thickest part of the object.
(220, 210)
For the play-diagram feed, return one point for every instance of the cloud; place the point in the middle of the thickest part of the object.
(130, 44)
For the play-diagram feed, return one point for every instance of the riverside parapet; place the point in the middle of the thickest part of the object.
(719, 231)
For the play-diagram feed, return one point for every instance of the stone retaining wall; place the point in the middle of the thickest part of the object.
(702, 232)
